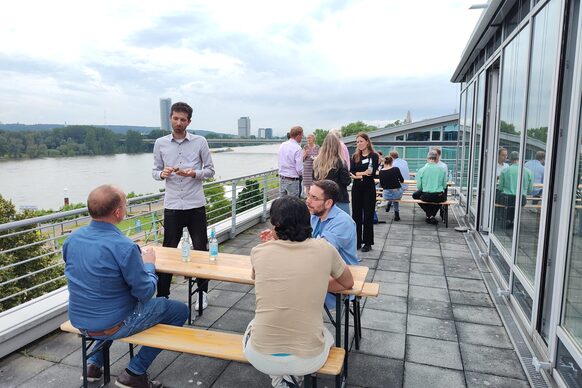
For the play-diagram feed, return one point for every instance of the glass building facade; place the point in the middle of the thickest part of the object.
(519, 168)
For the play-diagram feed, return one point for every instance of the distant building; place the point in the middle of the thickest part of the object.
(265, 133)
(244, 127)
(165, 106)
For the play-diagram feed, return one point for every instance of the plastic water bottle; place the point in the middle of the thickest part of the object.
(185, 242)
(212, 246)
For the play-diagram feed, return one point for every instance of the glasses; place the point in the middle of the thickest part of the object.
(314, 198)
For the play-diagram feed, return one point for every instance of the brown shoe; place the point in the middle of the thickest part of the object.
(93, 373)
(125, 380)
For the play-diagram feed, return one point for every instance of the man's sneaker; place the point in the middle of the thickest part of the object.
(125, 380)
(383, 204)
(204, 301)
(93, 373)
(366, 248)
(285, 381)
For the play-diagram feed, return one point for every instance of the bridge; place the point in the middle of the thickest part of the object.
(234, 141)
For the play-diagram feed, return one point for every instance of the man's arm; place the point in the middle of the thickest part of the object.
(298, 161)
(344, 282)
(158, 162)
(139, 272)
(207, 164)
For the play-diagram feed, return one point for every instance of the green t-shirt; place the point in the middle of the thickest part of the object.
(431, 178)
(508, 180)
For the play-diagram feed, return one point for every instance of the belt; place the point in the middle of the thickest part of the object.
(289, 178)
(106, 332)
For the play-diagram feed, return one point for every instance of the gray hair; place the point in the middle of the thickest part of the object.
(432, 155)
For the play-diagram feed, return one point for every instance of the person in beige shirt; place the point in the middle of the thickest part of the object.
(292, 274)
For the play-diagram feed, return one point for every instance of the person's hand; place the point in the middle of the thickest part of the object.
(167, 171)
(186, 172)
(267, 235)
(148, 255)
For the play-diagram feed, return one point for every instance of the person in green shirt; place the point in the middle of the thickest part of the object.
(431, 181)
(507, 187)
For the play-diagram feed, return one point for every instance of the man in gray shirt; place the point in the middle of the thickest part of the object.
(183, 160)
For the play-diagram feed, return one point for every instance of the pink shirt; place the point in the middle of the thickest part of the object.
(345, 154)
(290, 159)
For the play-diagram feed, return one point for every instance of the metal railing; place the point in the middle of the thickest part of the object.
(31, 262)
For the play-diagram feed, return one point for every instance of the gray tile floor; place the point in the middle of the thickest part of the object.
(433, 324)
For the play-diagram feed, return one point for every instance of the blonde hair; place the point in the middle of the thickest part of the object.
(328, 158)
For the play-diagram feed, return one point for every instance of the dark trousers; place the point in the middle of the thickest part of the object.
(430, 210)
(174, 222)
(363, 205)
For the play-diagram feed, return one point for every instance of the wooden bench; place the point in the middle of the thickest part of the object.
(225, 346)
(445, 205)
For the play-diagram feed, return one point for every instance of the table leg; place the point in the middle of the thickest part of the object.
(346, 335)
(189, 301)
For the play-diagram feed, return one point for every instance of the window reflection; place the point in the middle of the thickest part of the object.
(467, 127)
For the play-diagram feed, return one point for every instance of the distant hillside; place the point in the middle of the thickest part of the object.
(115, 128)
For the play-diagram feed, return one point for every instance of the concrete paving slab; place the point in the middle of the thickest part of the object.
(430, 351)
(422, 376)
(372, 264)
(393, 242)
(460, 246)
(465, 273)
(494, 361)
(116, 352)
(432, 245)
(247, 302)
(391, 249)
(188, 370)
(391, 277)
(427, 259)
(476, 314)
(244, 288)
(427, 269)
(470, 285)
(426, 251)
(384, 321)
(471, 298)
(430, 308)
(58, 375)
(17, 368)
(456, 254)
(373, 371)
(224, 298)
(160, 363)
(237, 375)
(55, 347)
(486, 335)
(234, 320)
(431, 328)
(396, 289)
(480, 380)
(428, 280)
(419, 238)
(431, 293)
(381, 343)
(211, 315)
(387, 255)
(394, 265)
(388, 303)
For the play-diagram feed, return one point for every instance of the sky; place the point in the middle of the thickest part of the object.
(319, 64)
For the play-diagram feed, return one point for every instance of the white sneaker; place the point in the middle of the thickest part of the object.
(204, 301)
(382, 204)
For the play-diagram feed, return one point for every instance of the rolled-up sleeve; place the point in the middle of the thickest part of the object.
(158, 162)
(207, 170)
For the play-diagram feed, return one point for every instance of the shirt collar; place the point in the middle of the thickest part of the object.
(104, 226)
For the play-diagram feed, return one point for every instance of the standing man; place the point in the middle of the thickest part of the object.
(111, 284)
(291, 164)
(183, 160)
(332, 224)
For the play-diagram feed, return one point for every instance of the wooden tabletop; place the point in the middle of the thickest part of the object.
(228, 267)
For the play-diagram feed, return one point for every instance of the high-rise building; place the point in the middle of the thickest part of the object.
(265, 133)
(165, 106)
(244, 127)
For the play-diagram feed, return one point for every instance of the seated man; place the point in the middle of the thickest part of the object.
(506, 194)
(292, 274)
(332, 224)
(111, 284)
(431, 181)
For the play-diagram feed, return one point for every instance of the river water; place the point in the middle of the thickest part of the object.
(41, 182)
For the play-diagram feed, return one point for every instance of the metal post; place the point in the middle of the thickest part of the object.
(265, 188)
(233, 214)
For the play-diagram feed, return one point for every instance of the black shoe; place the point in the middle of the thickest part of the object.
(93, 373)
(433, 221)
(125, 380)
(388, 207)
(427, 220)
(366, 248)
(396, 216)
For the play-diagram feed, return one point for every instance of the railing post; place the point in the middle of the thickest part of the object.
(265, 189)
(233, 215)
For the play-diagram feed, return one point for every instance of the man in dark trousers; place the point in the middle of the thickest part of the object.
(183, 160)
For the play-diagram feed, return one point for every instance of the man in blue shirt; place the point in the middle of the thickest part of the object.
(537, 167)
(332, 224)
(111, 284)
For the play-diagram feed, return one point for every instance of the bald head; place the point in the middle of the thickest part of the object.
(104, 200)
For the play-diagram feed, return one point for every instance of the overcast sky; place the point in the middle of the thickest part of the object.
(320, 64)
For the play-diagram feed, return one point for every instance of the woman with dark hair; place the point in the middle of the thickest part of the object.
(292, 275)
(363, 167)
(391, 180)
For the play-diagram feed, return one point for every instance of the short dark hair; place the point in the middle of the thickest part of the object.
(182, 107)
(388, 160)
(291, 219)
(103, 201)
(394, 154)
(330, 189)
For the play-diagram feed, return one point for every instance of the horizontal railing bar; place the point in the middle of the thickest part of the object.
(29, 260)
(30, 274)
(32, 288)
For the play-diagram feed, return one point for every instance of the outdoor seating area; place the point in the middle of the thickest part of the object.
(425, 317)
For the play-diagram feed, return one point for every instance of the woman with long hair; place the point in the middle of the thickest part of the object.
(292, 273)
(363, 167)
(330, 165)
(310, 151)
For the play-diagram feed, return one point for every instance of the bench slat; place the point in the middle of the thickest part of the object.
(225, 346)
(412, 200)
(370, 289)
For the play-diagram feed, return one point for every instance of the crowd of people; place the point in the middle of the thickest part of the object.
(315, 234)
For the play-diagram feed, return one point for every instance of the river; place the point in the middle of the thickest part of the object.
(41, 182)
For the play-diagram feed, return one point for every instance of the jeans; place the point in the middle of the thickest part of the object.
(289, 187)
(145, 315)
(392, 194)
(174, 222)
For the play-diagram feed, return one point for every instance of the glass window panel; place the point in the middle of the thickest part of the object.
(436, 135)
(500, 262)
(568, 367)
(416, 157)
(400, 137)
(418, 136)
(480, 108)
(468, 125)
(460, 138)
(522, 297)
(513, 81)
(572, 305)
(543, 60)
(450, 132)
